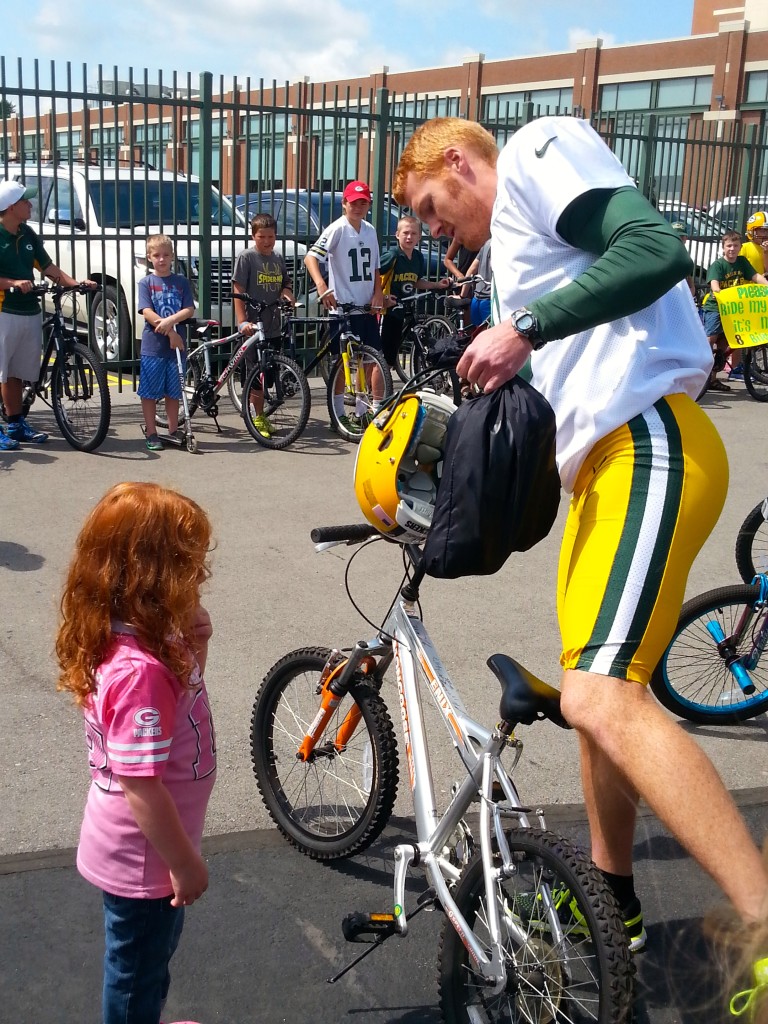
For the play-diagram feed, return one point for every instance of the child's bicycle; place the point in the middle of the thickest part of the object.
(531, 932)
(72, 380)
(284, 385)
(420, 332)
(714, 670)
(360, 373)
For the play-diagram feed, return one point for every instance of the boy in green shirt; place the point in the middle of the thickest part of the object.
(729, 270)
(403, 271)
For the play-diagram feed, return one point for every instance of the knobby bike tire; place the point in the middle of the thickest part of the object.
(692, 679)
(447, 382)
(754, 380)
(752, 543)
(759, 363)
(287, 401)
(192, 377)
(80, 397)
(360, 407)
(587, 976)
(337, 803)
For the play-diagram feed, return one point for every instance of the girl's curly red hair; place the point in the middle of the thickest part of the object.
(141, 557)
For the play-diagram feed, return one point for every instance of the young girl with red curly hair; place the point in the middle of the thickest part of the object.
(132, 648)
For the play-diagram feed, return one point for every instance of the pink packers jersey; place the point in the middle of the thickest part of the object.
(142, 722)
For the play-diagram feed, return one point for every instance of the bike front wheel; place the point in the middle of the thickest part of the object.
(752, 543)
(337, 802)
(287, 401)
(80, 397)
(192, 379)
(370, 385)
(692, 679)
(565, 947)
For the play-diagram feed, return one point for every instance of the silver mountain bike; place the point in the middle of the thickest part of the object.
(531, 933)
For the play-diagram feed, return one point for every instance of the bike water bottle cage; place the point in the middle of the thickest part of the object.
(398, 465)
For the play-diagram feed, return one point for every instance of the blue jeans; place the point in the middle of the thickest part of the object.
(141, 937)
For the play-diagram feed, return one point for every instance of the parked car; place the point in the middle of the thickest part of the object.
(704, 234)
(731, 212)
(93, 220)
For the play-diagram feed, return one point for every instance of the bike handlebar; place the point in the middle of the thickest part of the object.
(354, 534)
(45, 287)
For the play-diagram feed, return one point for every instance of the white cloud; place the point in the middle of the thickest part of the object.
(584, 36)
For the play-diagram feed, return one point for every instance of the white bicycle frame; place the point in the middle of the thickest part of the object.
(417, 662)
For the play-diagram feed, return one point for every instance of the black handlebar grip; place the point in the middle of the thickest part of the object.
(355, 533)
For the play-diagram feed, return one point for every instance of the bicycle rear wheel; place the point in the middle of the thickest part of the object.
(287, 401)
(692, 679)
(759, 363)
(337, 802)
(447, 381)
(752, 543)
(80, 397)
(371, 384)
(754, 380)
(586, 975)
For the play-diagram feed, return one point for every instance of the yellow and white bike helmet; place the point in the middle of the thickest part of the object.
(399, 463)
(758, 221)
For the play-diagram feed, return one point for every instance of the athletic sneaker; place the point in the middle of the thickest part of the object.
(21, 431)
(351, 423)
(263, 425)
(7, 444)
(153, 443)
(573, 921)
(737, 373)
(747, 1000)
(632, 915)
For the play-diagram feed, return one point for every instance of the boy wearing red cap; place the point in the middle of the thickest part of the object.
(350, 249)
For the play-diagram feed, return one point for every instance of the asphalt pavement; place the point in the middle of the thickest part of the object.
(261, 943)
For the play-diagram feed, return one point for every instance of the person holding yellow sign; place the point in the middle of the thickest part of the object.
(730, 270)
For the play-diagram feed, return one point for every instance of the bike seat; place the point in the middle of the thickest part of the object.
(524, 697)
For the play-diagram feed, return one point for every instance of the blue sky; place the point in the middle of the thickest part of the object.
(326, 40)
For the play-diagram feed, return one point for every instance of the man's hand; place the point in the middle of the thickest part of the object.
(23, 286)
(494, 357)
(246, 328)
(328, 299)
(88, 283)
(189, 881)
(389, 301)
(176, 340)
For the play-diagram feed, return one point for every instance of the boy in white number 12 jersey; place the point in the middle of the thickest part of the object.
(350, 249)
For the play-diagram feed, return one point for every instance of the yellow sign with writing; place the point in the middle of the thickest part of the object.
(744, 314)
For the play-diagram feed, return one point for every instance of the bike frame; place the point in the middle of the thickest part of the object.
(403, 638)
(727, 645)
(204, 350)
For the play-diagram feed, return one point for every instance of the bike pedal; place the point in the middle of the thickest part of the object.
(360, 927)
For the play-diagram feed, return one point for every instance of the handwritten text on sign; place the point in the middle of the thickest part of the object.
(744, 314)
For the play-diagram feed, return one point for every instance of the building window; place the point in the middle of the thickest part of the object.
(756, 90)
(685, 92)
(33, 145)
(152, 140)
(429, 106)
(626, 96)
(67, 144)
(508, 105)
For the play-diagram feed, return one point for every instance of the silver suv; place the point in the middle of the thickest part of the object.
(94, 219)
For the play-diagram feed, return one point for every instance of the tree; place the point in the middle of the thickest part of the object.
(7, 109)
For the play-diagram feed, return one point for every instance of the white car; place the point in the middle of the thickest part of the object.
(94, 221)
(704, 234)
(729, 210)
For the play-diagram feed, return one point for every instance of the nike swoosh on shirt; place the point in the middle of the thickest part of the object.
(540, 152)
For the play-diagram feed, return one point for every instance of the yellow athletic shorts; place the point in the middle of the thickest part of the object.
(646, 499)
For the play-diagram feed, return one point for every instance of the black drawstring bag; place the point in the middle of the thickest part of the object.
(500, 490)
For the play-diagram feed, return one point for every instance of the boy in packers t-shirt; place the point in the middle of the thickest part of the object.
(262, 275)
(729, 270)
(403, 272)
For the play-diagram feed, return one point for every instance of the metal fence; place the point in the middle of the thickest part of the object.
(115, 160)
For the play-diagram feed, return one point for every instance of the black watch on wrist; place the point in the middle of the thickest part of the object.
(525, 323)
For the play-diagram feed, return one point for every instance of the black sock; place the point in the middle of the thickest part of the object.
(622, 886)
(15, 419)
